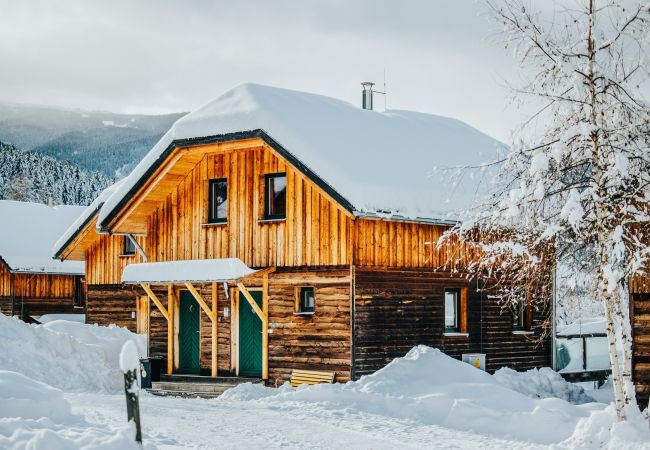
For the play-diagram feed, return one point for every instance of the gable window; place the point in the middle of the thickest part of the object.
(128, 247)
(455, 311)
(218, 201)
(275, 197)
(305, 300)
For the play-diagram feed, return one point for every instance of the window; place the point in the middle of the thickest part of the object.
(128, 248)
(275, 199)
(218, 201)
(456, 311)
(520, 309)
(79, 293)
(452, 310)
(305, 300)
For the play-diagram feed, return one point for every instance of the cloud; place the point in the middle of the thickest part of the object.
(161, 56)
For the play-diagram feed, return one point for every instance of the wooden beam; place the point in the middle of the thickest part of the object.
(199, 299)
(260, 272)
(253, 303)
(265, 325)
(170, 329)
(215, 349)
(154, 181)
(153, 297)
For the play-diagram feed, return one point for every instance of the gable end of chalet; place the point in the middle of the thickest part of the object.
(224, 138)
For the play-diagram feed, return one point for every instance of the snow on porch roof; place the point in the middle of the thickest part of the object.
(189, 271)
(381, 163)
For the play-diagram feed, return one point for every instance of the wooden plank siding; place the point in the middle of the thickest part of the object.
(316, 231)
(396, 309)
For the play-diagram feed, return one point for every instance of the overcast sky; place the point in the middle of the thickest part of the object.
(440, 56)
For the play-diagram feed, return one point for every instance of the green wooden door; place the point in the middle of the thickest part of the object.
(189, 344)
(250, 337)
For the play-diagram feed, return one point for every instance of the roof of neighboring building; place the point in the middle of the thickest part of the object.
(27, 233)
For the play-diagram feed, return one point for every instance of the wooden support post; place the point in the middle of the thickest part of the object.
(154, 298)
(265, 326)
(215, 336)
(170, 329)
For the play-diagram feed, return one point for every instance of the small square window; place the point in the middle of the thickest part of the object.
(306, 300)
(275, 197)
(218, 201)
(128, 248)
(452, 301)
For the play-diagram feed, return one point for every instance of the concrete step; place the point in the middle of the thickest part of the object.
(190, 387)
(205, 379)
(165, 393)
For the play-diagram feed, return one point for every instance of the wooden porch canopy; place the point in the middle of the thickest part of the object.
(187, 272)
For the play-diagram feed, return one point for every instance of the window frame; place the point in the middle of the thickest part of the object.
(523, 315)
(128, 247)
(267, 196)
(210, 218)
(456, 327)
(460, 311)
(298, 301)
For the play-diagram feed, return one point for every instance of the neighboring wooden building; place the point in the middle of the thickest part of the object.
(31, 282)
(640, 317)
(331, 206)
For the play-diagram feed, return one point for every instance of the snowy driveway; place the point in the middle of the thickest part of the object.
(172, 423)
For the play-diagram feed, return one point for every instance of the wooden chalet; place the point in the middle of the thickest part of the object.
(31, 282)
(273, 230)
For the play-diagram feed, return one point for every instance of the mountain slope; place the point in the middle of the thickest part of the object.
(95, 140)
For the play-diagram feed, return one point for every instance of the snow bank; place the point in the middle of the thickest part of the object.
(542, 383)
(46, 318)
(428, 387)
(67, 355)
(21, 396)
(36, 416)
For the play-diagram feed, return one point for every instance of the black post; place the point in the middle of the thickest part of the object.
(584, 353)
(132, 392)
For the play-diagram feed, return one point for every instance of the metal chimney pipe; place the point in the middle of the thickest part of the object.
(366, 95)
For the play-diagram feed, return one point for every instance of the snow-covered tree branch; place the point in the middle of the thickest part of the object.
(578, 173)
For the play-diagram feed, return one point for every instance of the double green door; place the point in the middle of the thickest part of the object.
(189, 335)
(250, 337)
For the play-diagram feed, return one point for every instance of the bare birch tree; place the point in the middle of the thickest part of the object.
(578, 172)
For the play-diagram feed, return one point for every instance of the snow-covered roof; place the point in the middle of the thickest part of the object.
(583, 326)
(381, 163)
(82, 220)
(27, 232)
(188, 271)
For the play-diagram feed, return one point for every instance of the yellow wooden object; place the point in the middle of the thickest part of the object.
(215, 349)
(310, 377)
(153, 297)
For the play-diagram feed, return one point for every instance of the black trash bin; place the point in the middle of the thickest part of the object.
(157, 364)
(145, 373)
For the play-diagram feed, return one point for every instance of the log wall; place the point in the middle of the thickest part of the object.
(396, 309)
(640, 318)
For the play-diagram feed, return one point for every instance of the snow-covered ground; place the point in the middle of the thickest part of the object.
(424, 400)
